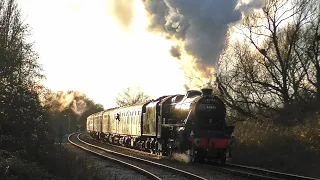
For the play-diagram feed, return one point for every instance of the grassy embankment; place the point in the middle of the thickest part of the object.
(52, 163)
(294, 149)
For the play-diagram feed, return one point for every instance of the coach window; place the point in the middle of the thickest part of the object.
(127, 119)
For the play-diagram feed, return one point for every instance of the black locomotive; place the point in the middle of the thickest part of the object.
(193, 123)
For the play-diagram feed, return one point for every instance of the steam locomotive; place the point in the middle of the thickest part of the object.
(193, 123)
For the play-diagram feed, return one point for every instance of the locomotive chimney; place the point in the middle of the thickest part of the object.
(206, 91)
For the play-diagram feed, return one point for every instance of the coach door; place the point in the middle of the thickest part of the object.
(133, 122)
(117, 114)
(100, 123)
(109, 123)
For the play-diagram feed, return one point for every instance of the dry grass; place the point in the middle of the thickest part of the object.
(293, 149)
(13, 167)
(53, 163)
(62, 162)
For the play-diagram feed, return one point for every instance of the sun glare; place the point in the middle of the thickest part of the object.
(83, 47)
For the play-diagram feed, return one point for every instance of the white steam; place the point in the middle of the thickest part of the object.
(181, 157)
(62, 100)
(248, 7)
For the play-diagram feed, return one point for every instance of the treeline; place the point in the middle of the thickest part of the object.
(30, 114)
(270, 81)
(275, 70)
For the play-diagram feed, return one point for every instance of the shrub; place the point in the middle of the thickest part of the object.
(292, 149)
(55, 162)
(12, 167)
(60, 161)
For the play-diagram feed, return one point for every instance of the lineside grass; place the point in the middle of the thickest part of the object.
(294, 149)
(51, 163)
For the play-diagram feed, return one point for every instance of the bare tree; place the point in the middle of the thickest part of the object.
(266, 76)
(131, 96)
(307, 50)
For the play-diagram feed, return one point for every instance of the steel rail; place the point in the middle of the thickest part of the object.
(181, 172)
(269, 172)
(135, 168)
(245, 171)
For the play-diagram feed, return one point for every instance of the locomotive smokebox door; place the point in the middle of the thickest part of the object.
(206, 91)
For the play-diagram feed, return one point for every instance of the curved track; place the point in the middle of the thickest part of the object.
(135, 168)
(244, 171)
(258, 173)
(145, 167)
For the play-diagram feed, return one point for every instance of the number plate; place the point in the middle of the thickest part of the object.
(211, 107)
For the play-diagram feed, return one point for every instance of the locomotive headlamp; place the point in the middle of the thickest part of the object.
(197, 142)
(232, 135)
(231, 143)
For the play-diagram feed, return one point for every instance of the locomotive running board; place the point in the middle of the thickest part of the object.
(173, 125)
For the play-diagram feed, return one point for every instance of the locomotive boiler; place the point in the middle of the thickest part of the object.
(193, 123)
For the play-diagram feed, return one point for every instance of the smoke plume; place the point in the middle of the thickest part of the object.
(200, 27)
(175, 52)
(123, 11)
(62, 100)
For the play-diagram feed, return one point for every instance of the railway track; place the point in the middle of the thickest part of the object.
(243, 171)
(149, 169)
(258, 173)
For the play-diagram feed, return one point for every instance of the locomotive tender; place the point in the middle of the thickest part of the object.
(193, 123)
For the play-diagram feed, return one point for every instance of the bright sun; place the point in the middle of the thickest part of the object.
(83, 47)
